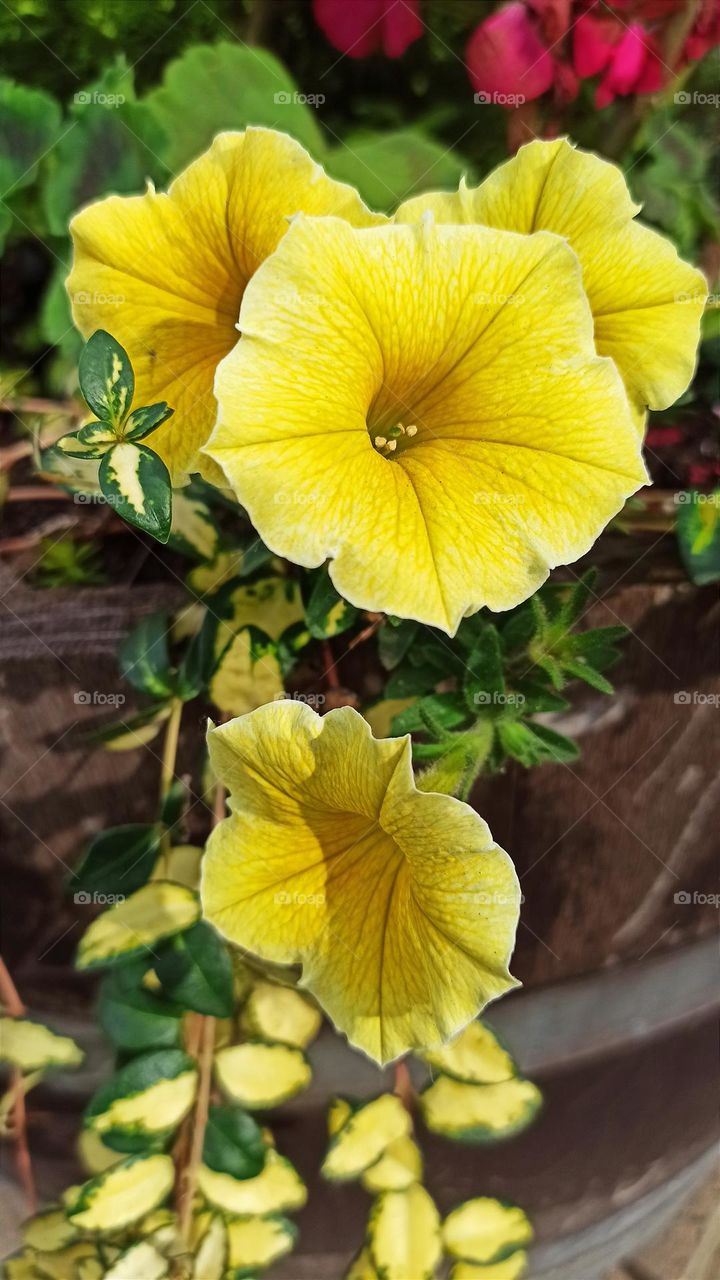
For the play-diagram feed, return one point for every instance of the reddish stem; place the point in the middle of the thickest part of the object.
(15, 1009)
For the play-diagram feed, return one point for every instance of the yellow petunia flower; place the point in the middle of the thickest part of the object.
(397, 904)
(433, 416)
(647, 303)
(165, 273)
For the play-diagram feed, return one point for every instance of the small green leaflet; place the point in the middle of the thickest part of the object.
(143, 656)
(195, 970)
(117, 861)
(234, 1143)
(136, 482)
(698, 534)
(326, 613)
(142, 421)
(134, 1018)
(106, 377)
(91, 441)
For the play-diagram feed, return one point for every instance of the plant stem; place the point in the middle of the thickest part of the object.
(167, 771)
(404, 1086)
(188, 1175)
(15, 1009)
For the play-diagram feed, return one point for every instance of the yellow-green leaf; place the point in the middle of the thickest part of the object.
(30, 1046)
(211, 1253)
(278, 1188)
(141, 1262)
(485, 1230)
(404, 1235)
(364, 1136)
(339, 1111)
(94, 1155)
(479, 1112)
(257, 1242)
(398, 1167)
(49, 1231)
(475, 1057)
(261, 1075)
(121, 1195)
(156, 911)
(512, 1268)
(280, 1013)
(361, 1267)
(180, 864)
(137, 485)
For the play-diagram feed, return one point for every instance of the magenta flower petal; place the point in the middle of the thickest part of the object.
(505, 55)
(359, 28)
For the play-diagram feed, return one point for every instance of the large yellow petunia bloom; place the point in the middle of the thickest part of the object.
(431, 414)
(397, 904)
(165, 273)
(647, 303)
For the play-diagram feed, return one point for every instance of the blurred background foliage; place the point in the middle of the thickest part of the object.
(101, 96)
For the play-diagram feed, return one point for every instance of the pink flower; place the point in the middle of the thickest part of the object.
(705, 34)
(628, 55)
(554, 17)
(361, 27)
(506, 56)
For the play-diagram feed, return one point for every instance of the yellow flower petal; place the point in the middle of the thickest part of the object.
(523, 444)
(647, 303)
(396, 902)
(165, 274)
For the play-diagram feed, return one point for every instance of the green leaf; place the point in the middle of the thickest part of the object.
(227, 86)
(98, 436)
(106, 378)
(134, 1018)
(142, 421)
(136, 482)
(394, 640)
(234, 1143)
(484, 679)
(29, 125)
(143, 656)
(389, 167)
(136, 731)
(582, 671)
(698, 534)
(137, 1076)
(117, 862)
(578, 600)
(443, 711)
(72, 446)
(111, 144)
(409, 682)
(326, 613)
(195, 970)
(194, 531)
(532, 743)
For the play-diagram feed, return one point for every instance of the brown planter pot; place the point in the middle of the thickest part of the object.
(627, 1062)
